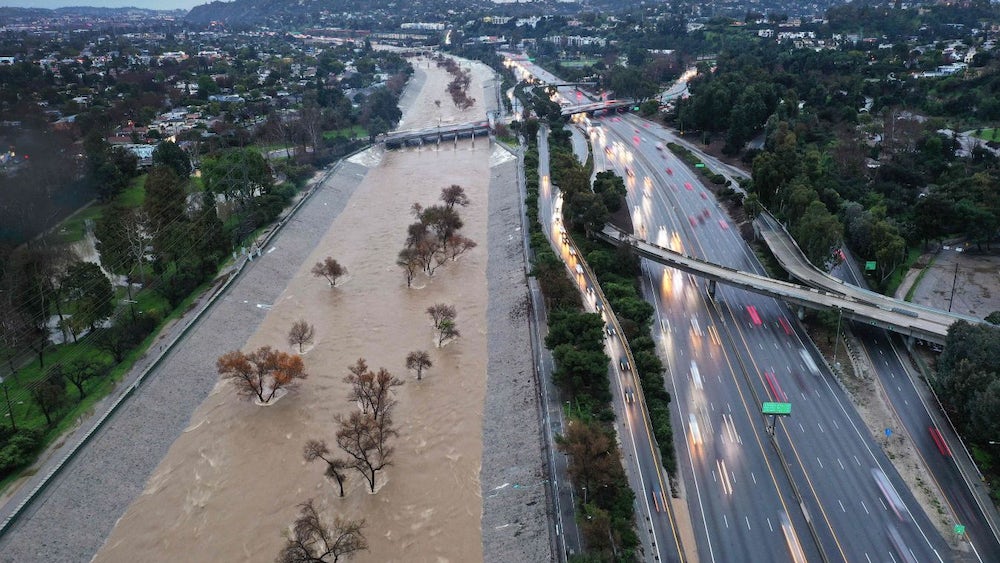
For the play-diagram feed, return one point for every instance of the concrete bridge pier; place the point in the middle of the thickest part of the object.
(473, 139)
(801, 313)
(711, 288)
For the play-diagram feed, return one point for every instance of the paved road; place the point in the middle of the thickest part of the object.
(965, 495)
(565, 501)
(827, 456)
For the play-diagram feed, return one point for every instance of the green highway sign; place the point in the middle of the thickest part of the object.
(959, 529)
(700, 165)
(869, 266)
(783, 409)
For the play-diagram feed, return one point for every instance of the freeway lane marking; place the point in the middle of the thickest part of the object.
(865, 507)
(841, 464)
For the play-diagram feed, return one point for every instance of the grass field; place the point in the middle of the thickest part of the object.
(73, 227)
(989, 135)
(355, 131)
(578, 64)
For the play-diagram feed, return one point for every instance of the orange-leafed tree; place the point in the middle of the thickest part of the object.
(261, 373)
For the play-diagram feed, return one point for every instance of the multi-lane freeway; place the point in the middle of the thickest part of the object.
(659, 531)
(820, 489)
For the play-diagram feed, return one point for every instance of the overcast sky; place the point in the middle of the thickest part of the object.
(151, 4)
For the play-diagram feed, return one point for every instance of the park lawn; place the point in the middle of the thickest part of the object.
(578, 64)
(352, 132)
(26, 413)
(134, 194)
(988, 135)
(74, 227)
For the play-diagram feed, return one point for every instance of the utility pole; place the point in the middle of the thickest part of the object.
(954, 282)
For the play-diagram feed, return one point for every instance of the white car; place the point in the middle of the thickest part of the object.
(695, 375)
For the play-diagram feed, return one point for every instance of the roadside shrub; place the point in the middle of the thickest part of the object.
(18, 448)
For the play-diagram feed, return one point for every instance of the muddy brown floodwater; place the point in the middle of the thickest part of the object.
(229, 486)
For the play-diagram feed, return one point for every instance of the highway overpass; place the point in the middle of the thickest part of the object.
(894, 315)
(609, 105)
(794, 261)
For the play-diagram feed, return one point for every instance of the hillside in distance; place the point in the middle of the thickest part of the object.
(378, 13)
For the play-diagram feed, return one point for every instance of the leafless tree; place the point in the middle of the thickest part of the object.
(458, 245)
(313, 541)
(335, 467)
(366, 441)
(301, 333)
(418, 360)
(426, 251)
(329, 269)
(454, 195)
(440, 312)
(310, 125)
(278, 130)
(447, 331)
(373, 390)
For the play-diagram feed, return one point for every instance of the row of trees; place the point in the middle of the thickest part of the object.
(968, 384)
(458, 88)
(364, 437)
(576, 339)
(815, 171)
(434, 238)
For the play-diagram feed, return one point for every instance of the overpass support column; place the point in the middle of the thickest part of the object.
(473, 138)
(711, 288)
(801, 312)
